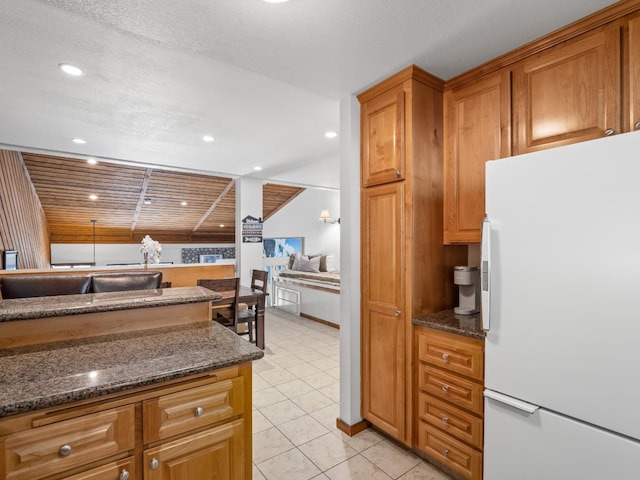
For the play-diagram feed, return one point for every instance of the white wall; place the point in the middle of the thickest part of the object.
(299, 218)
(120, 253)
(350, 394)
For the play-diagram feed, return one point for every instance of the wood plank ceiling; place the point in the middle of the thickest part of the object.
(123, 216)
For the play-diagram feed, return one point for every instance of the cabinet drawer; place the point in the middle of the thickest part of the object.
(454, 421)
(460, 391)
(449, 451)
(452, 352)
(198, 407)
(43, 451)
(122, 470)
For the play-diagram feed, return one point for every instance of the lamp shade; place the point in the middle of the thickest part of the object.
(324, 215)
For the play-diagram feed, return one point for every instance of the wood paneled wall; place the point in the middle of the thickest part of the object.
(23, 226)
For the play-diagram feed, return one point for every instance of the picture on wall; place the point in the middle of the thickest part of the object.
(283, 246)
(10, 260)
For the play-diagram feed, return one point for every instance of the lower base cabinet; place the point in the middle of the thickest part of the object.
(449, 401)
(212, 454)
(185, 429)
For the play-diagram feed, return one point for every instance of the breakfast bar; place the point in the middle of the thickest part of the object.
(137, 384)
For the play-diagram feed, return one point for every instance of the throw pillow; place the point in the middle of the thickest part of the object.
(296, 262)
(330, 264)
(309, 265)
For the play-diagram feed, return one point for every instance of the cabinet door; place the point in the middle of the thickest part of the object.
(569, 93)
(477, 129)
(634, 74)
(383, 329)
(215, 454)
(383, 142)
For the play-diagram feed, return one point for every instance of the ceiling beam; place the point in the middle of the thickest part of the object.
(141, 197)
(213, 206)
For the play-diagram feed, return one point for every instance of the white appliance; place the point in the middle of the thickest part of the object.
(561, 309)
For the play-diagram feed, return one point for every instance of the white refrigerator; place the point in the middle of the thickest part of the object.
(561, 309)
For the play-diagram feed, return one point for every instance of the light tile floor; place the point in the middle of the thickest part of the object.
(295, 405)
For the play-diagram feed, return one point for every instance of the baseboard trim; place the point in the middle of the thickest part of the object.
(354, 429)
(319, 320)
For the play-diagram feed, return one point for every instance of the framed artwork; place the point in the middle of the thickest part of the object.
(210, 258)
(282, 247)
(10, 260)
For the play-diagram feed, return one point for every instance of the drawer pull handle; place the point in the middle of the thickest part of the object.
(445, 388)
(154, 464)
(445, 356)
(445, 452)
(199, 411)
(398, 174)
(609, 131)
(445, 419)
(124, 475)
(637, 126)
(65, 450)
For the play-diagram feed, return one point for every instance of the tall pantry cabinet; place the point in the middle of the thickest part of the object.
(406, 271)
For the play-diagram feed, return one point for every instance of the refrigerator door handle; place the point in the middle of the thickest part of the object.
(529, 408)
(485, 274)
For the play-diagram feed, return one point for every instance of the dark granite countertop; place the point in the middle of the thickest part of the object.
(47, 375)
(468, 325)
(42, 307)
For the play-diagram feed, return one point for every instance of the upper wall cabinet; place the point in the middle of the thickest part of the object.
(477, 128)
(569, 93)
(632, 121)
(383, 143)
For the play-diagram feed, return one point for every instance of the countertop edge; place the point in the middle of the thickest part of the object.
(448, 321)
(62, 305)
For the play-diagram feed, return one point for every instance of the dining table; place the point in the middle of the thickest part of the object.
(251, 297)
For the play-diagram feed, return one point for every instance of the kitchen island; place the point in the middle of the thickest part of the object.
(124, 400)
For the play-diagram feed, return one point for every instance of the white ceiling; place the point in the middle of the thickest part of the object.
(264, 79)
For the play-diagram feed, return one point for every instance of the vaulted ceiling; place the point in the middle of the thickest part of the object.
(131, 202)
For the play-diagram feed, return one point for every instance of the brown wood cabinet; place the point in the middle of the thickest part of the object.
(217, 453)
(182, 429)
(477, 129)
(406, 271)
(578, 83)
(449, 400)
(569, 93)
(632, 121)
(383, 140)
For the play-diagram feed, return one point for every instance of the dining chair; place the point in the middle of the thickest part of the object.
(259, 280)
(230, 315)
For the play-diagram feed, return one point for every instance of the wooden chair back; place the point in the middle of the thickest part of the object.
(259, 279)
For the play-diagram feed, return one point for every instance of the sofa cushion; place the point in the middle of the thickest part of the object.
(121, 281)
(25, 286)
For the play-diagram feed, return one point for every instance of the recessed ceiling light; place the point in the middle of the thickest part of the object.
(276, 1)
(184, 204)
(91, 161)
(148, 201)
(93, 197)
(257, 169)
(79, 141)
(331, 134)
(70, 69)
(221, 225)
(208, 138)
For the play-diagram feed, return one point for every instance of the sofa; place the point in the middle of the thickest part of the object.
(42, 285)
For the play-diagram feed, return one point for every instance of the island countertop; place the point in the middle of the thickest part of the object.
(47, 375)
(448, 321)
(61, 305)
